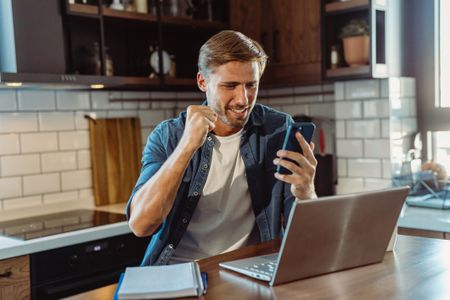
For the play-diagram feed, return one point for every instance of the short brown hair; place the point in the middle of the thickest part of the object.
(229, 45)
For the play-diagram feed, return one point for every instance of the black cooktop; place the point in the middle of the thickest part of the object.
(50, 224)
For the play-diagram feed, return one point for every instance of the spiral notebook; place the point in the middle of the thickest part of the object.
(161, 282)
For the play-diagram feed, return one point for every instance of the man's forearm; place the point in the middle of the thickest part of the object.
(153, 202)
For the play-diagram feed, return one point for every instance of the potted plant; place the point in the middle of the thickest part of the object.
(355, 37)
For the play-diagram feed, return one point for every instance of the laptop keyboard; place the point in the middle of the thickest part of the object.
(266, 268)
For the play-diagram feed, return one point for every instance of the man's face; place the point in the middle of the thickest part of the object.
(231, 91)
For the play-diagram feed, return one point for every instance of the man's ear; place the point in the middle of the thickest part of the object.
(201, 82)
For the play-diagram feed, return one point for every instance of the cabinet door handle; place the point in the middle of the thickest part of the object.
(275, 35)
(5, 274)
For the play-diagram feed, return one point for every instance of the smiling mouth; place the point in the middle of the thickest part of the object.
(239, 110)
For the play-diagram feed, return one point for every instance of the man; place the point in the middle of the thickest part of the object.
(208, 183)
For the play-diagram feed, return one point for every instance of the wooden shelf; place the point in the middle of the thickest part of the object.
(349, 71)
(128, 15)
(169, 20)
(83, 9)
(339, 6)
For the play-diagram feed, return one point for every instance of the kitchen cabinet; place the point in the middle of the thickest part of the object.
(335, 15)
(15, 278)
(158, 48)
(73, 45)
(289, 31)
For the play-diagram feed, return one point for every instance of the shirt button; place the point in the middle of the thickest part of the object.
(205, 166)
(184, 220)
(209, 138)
(195, 193)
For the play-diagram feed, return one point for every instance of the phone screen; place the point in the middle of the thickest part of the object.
(290, 143)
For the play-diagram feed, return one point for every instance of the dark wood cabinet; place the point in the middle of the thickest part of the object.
(289, 31)
(335, 15)
(119, 43)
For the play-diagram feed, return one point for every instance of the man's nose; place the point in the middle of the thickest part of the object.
(242, 95)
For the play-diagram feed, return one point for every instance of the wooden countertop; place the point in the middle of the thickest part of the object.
(418, 269)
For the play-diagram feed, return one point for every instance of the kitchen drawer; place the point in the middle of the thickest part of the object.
(15, 278)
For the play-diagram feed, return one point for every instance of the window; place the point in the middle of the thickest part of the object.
(444, 57)
(440, 147)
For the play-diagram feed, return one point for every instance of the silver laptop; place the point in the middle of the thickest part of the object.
(329, 234)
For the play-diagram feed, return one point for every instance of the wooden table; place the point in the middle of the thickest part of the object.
(418, 269)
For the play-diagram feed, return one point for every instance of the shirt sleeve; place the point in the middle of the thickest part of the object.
(153, 157)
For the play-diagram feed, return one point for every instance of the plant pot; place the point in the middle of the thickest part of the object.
(356, 50)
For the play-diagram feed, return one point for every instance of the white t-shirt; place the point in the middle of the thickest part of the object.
(223, 219)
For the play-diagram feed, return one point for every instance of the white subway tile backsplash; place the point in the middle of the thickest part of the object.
(349, 148)
(9, 144)
(84, 159)
(360, 89)
(308, 89)
(194, 95)
(342, 167)
(80, 120)
(323, 110)
(74, 180)
(60, 197)
(71, 140)
(407, 87)
(164, 95)
(349, 185)
(41, 184)
(136, 96)
(53, 121)
(385, 128)
(151, 117)
(376, 109)
(166, 104)
(384, 88)
(145, 132)
(58, 161)
(387, 169)
(86, 195)
(18, 203)
(348, 110)
(409, 125)
(122, 114)
(281, 100)
(20, 165)
(376, 184)
(38, 142)
(340, 129)
(364, 167)
(339, 91)
(8, 100)
(103, 100)
(307, 98)
(144, 105)
(328, 87)
(18, 122)
(36, 100)
(377, 148)
(10, 187)
(294, 110)
(72, 100)
(363, 129)
(281, 91)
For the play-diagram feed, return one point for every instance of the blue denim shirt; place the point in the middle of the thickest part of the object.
(271, 199)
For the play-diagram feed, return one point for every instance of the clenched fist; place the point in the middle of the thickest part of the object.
(200, 120)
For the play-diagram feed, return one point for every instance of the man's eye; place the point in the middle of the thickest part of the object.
(229, 87)
(251, 85)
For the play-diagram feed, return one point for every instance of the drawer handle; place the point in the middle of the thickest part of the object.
(6, 274)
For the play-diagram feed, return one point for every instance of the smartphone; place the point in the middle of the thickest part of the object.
(290, 143)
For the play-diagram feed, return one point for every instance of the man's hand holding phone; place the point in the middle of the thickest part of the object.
(296, 163)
